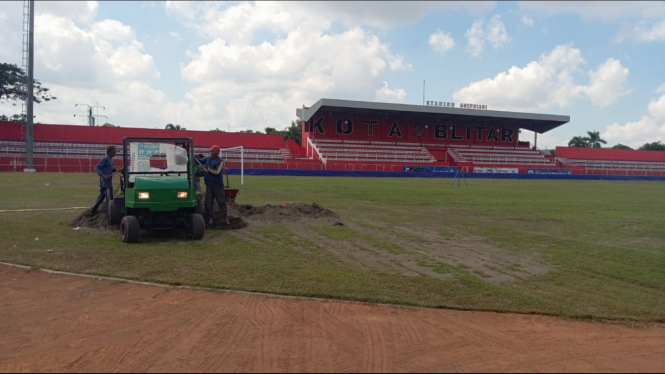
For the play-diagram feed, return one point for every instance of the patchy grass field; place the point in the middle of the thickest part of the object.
(572, 248)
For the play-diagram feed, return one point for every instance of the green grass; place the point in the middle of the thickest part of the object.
(603, 242)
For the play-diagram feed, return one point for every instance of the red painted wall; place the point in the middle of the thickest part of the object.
(378, 128)
(610, 154)
(114, 135)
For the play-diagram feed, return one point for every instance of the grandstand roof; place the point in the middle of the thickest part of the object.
(539, 123)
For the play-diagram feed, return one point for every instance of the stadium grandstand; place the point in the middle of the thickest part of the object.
(354, 135)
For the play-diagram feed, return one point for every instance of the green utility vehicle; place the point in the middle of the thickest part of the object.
(158, 188)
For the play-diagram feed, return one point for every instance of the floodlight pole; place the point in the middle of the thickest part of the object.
(29, 165)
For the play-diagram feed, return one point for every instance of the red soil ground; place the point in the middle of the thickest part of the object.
(51, 322)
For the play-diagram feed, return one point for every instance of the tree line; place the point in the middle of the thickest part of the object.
(593, 140)
(293, 132)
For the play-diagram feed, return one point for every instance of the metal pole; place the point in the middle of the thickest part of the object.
(242, 166)
(29, 166)
(423, 92)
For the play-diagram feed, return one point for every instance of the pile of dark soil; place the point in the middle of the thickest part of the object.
(238, 216)
(98, 221)
(235, 223)
(280, 213)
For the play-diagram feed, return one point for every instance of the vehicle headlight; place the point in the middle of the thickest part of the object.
(182, 195)
(144, 195)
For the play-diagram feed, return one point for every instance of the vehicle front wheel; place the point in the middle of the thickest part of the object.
(129, 227)
(195, 227)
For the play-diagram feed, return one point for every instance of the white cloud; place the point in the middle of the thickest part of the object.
(385, 94)
(300, 69)
(80, 11)
(607, 83)
(238, 22)
(660, 89)
(495, 34)
(650, 128)
(547, 83)
(476, 39)
(593, 10)
(175, 35)
(528, 21)
(642, 32)
(65, 52)
(563, 57)
(441, 42)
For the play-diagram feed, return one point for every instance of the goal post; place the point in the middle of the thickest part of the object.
(232, 153)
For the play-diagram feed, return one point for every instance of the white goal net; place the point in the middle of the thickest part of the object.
(235, 154)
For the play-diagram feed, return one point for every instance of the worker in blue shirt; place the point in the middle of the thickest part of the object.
(214, 181)
(105, 171)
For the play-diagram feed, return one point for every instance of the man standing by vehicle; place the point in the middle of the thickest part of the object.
(214, 181)
(105, 171)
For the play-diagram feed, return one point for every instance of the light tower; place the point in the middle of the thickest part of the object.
(29, 135)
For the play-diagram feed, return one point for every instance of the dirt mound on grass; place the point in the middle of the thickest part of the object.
(99, 220)
(239, 215)
(281, 212)
(235, 223)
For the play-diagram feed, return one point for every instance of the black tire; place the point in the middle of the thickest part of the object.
(195, 227)
(129, 228)
(199, 206)
(116, 211)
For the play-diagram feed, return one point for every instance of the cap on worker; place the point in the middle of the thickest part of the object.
(110, 149)
(214, 149)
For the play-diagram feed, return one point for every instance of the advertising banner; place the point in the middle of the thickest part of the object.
(430, 169)
(550, 171)
(496, 170)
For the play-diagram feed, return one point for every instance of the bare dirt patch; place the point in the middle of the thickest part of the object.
(97, 221)
(281, 213)
(242, 215)
(424, 251)
(59, 323)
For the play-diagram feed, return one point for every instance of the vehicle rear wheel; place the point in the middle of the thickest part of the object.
(129, 228)
(195, 227)
(116, 210)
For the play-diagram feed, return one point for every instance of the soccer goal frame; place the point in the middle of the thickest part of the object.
(242, 160)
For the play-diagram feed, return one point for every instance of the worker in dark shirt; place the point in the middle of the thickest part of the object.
(214, 181)
(105, 171)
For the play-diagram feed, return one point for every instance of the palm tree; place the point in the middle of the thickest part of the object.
(594, 140)
(578, 142)
(621, 146)
(655, 146)
(170, 126)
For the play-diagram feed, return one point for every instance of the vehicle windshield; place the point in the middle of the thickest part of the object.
(148, 157)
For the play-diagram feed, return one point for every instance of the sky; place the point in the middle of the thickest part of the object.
(249, 65)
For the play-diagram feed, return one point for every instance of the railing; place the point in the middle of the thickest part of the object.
(510, 160)
(614, 165)
(312, 145)
(384, 158)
